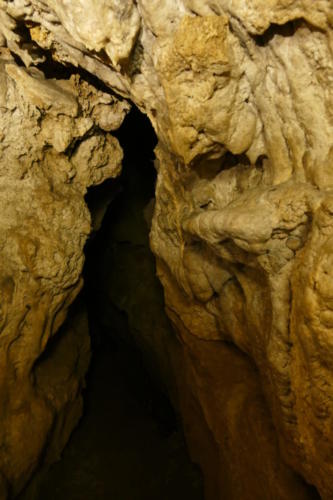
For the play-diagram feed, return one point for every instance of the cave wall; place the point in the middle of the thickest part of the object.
(240, 95)
(53, 146)
(214, 387)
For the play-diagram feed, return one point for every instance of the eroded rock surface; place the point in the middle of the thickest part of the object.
(240, 95)
(52, 148)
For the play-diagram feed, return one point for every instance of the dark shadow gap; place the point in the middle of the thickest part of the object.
(108, 321)
(285, 30)
(48, 64)
(129, 444)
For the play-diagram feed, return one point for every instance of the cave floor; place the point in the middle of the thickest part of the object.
(120, 451)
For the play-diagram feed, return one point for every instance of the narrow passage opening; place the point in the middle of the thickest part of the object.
(129, 444)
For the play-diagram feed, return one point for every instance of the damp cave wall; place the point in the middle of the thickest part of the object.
(243, 248)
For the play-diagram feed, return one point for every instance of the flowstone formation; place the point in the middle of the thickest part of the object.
(240, 94)
(53, 146)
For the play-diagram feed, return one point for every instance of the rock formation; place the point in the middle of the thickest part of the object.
(240, 94)
(53, 146)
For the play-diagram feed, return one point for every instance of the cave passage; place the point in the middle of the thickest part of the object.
(129, 444)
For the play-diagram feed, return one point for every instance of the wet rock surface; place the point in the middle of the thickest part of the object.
(240, 96)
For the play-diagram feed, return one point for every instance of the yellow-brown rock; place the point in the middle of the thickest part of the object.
(44, 225)
(240, 94)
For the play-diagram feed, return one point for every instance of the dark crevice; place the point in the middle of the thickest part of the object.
(118, 261)
(231, 160)
(209, 169)
(285, 30)
(260, 161)
(54, 69)
(129, 444)
(133, 65)
(50, 67)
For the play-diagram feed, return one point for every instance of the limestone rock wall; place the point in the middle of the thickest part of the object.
(214, 386)
(53, 146)
(240, 95)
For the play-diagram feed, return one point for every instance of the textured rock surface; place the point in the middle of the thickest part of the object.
(52, 148)
(240, 95)
(215, 387)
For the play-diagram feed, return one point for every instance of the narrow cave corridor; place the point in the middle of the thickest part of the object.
(129, 443)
